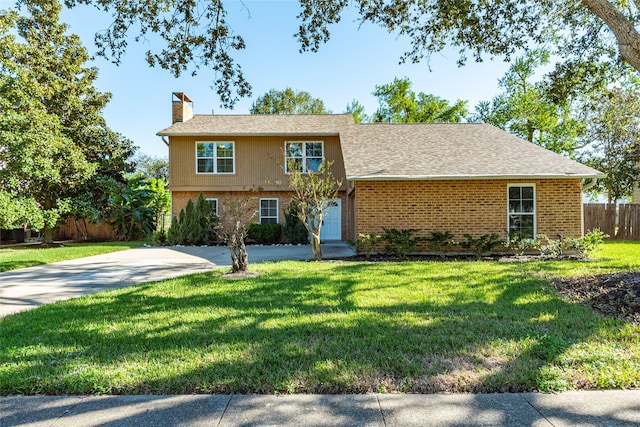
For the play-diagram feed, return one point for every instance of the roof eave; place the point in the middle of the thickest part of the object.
(232, 134)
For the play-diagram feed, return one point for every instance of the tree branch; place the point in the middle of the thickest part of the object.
(626, 34)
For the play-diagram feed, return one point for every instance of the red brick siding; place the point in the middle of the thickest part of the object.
(476, 207)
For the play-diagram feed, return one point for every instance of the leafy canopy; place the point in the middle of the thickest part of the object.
(54, 144)
(526, 109)
(613, 140)
(288, 101)
(399, 104)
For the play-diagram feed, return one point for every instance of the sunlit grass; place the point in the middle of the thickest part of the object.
(29, 256)
(331, 327)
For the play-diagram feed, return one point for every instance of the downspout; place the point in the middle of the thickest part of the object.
(588, 186)
(585, 187)
(164, 139)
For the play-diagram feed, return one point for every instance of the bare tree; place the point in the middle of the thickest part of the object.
(236, 213)
(313, 194)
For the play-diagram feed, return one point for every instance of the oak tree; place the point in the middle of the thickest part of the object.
(288, 101)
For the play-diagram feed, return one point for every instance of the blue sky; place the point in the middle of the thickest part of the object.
(357, 58)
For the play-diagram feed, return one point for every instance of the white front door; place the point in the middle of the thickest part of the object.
(332, 223)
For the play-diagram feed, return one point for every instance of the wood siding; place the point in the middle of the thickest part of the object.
(259, 162)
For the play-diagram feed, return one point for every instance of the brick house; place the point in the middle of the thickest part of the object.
(467, 178)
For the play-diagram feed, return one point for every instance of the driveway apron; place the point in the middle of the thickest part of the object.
(30, 287)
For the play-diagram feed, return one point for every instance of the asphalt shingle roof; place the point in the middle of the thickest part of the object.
(449, 151)
(403, 151)
(260, 124)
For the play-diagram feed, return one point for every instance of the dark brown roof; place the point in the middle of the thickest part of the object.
(449, 151)
(260, 124)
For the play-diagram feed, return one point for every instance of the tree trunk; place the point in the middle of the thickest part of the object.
(626, 35)
(239, 256)
(315, 246)
(47, 234)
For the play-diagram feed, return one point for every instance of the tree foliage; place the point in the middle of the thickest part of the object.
(399, 104)
(356, 109)
(196, 34)
(152, 166)
(288, 101)
(312, 195)
(589, 35)
(525, 109)
(54, 144)
(613, 137)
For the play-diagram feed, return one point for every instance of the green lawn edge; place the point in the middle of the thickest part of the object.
(330, 327)
(14, 258)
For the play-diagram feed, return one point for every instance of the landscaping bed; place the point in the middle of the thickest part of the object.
(616, 295)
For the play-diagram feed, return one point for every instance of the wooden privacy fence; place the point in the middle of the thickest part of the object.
(620, 222)
(80, 230)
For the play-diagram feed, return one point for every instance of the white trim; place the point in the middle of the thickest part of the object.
(215, 158)
(260, 209)
(213, 199)
(464, 177)
(535, 206)
(304, 154)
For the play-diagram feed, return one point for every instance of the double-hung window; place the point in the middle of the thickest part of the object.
(215, 157)
(268, 211)
(305, 156)
(214, 204)
(522, 211)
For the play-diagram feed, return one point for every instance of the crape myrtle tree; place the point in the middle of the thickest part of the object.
(236, 213)
(593, 37)
(55, 147)
(313, 192)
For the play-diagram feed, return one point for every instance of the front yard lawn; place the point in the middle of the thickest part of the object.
(28, 256)
(330, 327)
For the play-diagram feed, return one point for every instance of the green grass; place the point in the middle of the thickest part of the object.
(28, 256)
(330, 327)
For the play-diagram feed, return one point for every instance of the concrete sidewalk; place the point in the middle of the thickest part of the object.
(594, 408)
(30, 287)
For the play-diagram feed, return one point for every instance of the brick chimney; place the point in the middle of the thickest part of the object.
(181, 107)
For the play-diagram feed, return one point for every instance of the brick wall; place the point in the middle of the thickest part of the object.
(476, 207)
(179, 200)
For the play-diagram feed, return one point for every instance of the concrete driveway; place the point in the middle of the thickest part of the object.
(30, 287)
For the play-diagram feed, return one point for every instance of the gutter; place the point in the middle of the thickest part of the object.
(465, 177)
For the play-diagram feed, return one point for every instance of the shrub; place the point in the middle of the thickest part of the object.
(552, 247)
(264, 233)
(441, 241)
(401, 242)
(294, 230)
(366, 243)
(195, 225)
(158, 238)
(481, 245)
(521, 245)
(587, 243)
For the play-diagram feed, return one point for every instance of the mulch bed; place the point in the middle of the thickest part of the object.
(616, 295)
